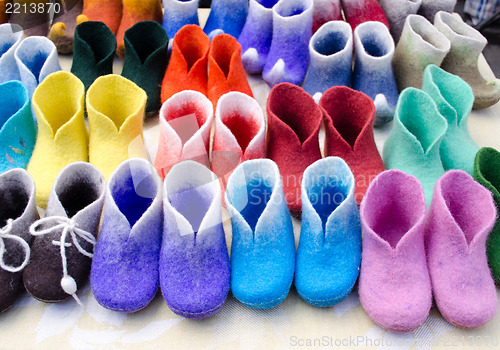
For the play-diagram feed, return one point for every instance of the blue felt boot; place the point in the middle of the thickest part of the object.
(178, 13)
(226, 16)
(11, 36)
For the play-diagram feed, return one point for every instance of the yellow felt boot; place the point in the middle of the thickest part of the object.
(115, 108)
(62, 134)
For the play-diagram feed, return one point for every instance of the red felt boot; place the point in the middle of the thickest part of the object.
(349, 116)
(359, 11)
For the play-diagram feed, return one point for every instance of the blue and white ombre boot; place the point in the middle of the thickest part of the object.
(178, 13)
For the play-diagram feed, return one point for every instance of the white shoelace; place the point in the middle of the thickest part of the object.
(5, 234)
(66, 226)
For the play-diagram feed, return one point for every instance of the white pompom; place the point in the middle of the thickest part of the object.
(68, 284)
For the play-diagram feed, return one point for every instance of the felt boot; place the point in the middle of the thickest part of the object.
(256, 35)
(487, 173)
(225, 69)
(263, 249)
(394, 283)
(396, 12)
(373, 74)
(11, 36)
(454, 100)
(32, 15)
(420, 44)
(325, 11)
(64, 239)
(458, 222)
(185, 124)
(178, 13)
(294, 120)
(62, 134)
(18, 128)
(430, 8)
(330, 51)
(107, 11)
(63, 27)
(36, 57)
(415, 139)
(146, 58)
(115, 109)
(187, 67)
(359, 11)
(226, 16)
(349, 116)
(239, 134)
(288, 56)
(329, 252)
(135, 11)
(466, 46)
(194, 263)
(17, 213)
(93, 52)
(125, 268)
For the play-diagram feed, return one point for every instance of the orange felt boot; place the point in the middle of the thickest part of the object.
(225, 68)
(187, 68)
(107, 11)
(136, 11)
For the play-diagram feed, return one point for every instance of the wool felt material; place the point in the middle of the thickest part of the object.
(107, 11)
(17, 126)
(239, 134)
(194, 262)
(225, 69)
(115, 109)
(256, 35)
(178, 13)
(36, 58)
(330, 52)
(394, 283)
(64, 24)
(466, 45)
(64, 239)
(454, 99)
(288, 56)
(185, 124)
(125, 268)
(146, 58)
(420, 44)
(187, 67)
(17, 213)
(396, 12)
(414, 143)
(461, 216)
(359, 11)
(487, 173)
(93, 51)
(135, 11)
(349, 116)
(11, 36)
(35, 23)
(325, 11)
(294, 120)
(329, 252)
(430, 8)
(263, 249)
(62, 134)
(226, 16)
(373, 73)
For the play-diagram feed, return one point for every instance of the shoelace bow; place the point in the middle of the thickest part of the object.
(66, 226)
(5, 234)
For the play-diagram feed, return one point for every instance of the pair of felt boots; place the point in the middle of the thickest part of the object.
(430, 133)
(210, 67)
(28, 60)
(410, 255)
(115, 110)
(145, 61)
(331, 50)
(450, 44)
(294, 122)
